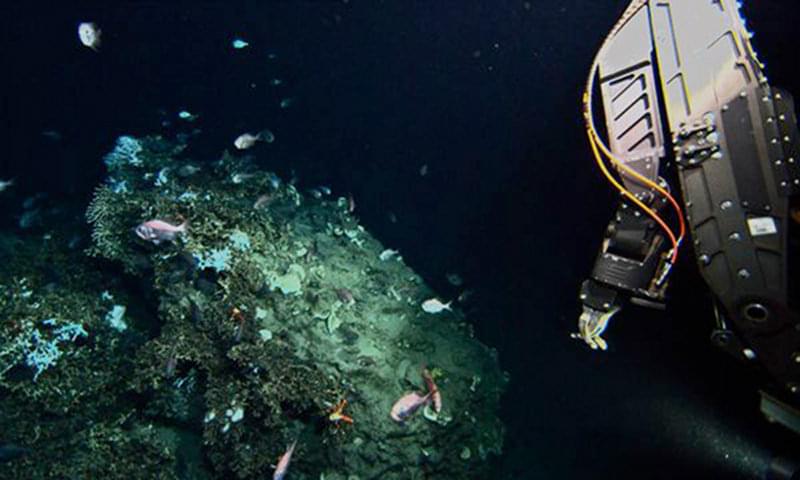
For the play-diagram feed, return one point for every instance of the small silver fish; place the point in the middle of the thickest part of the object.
(239, 44)
(188, 170)
(239, 178)
(248, 140)
(89, 34)
(188, 116)
(434, 305)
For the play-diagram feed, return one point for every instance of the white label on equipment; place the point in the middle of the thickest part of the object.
(762, 226)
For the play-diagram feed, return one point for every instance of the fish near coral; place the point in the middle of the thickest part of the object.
(407, 405)
(157, 231)
(283, 463)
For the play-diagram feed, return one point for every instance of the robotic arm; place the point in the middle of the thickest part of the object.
(682, 89)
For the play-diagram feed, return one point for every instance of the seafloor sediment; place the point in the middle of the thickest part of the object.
(206, 355)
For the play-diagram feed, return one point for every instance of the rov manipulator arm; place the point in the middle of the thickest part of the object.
(734, 144)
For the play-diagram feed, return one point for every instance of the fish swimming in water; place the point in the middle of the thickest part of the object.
(434, 305)
(188, 116)
(248, 140)
(89, 34)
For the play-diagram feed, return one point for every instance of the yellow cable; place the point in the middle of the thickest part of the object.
(595, 141)
(627, 193)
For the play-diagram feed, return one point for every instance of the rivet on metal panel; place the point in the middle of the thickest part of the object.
(704, 259)
(735, 236)
(725, 108)
(726, 204)
(742, 94)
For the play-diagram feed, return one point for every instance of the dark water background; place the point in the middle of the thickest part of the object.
(486, 93)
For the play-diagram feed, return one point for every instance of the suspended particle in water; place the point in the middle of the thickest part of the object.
(275, 82)
(287, 102)
(239, 44)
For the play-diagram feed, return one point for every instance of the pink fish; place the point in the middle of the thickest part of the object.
(436, 396)
(283, 463)
(407, 405)
(157, 231)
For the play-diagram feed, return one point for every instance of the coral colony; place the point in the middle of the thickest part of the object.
(250, 317)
